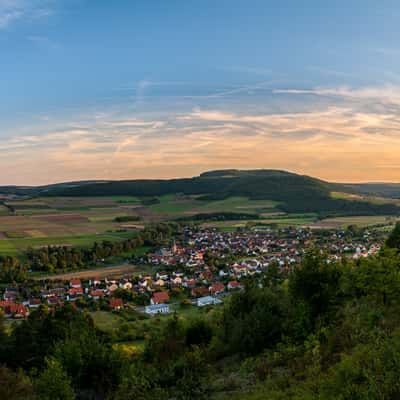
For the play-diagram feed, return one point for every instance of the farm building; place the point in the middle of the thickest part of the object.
(207, 301)
(157, 309)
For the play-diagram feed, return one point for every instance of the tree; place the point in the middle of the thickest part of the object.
(136, 384)
(316, 283)
(15, 385)
(53, 383)
(393, 241)
(377, 278)
(252, 320)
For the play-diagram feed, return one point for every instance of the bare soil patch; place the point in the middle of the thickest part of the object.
(63, 218)
(93, 273)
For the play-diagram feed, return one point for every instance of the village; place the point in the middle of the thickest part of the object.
(199, 268)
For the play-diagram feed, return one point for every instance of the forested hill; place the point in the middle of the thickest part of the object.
(296, 193)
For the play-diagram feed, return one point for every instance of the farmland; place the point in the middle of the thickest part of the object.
(115, 271)
(80, 221)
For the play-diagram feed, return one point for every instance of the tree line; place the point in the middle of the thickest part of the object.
(328, 331)
(62, 258)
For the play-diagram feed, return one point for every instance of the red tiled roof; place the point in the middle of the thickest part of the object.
(116, 303)
(217, 287)
(160, 297)
(74, 291)
(10, 307)
(200, 291)
(97, 293)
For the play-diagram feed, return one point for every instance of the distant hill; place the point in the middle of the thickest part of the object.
(389, 190)
(296, 193)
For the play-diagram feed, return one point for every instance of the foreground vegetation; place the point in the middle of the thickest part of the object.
(326, 331)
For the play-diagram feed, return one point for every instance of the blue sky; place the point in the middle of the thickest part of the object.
(128, 89)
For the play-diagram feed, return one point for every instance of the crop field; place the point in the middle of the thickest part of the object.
(18, 245)
(77, 221)
(99, 272)
(4, 210)
(80, 221)
(361, 221)
(186, 205)
(359, 197)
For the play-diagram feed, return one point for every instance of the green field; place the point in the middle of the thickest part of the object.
(80, 221)
(361, 221)
(172, 204)
(369, 199)
(15, 246)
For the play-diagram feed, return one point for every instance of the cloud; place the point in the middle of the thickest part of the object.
(385, 93)
(353, 135)
(12, 11)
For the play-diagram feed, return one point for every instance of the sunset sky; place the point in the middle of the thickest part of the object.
(101, 89)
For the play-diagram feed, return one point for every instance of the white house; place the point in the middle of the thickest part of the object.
(157, 309)
(207, 301)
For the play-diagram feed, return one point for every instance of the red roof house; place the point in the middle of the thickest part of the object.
(116, 304)
(160, 298)
(234, 285)
(14, 309)
(200, 291)
(217, 288)
(75, 283)
(96, 294)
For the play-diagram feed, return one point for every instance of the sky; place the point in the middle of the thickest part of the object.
(100, 89)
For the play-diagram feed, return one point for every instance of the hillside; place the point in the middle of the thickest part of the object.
(295, 193)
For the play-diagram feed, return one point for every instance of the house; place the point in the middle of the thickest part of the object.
(97, 294)
(112, 287)
(126, 285)
(34, 303)
(10, 294)
(75, 291)
(95, 282)
(177, 281)
(234, 285)
(160, 297)
(12, 309)
(157, 309)
(207, 301)
(162, 275)
(217, 288)
(75, 283)
(159, 283)
(200, 291)
(189, 283)
(116, 304)
(54, 301)
(206, 275)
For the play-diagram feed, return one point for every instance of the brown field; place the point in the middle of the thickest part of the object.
(119, 270)
(63, 218)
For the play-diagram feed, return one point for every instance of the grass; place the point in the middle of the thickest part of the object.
(4, 210)
(106, 321)
(369, 199)
(171, 204)
(281, 220)
(361, 221)
(14, 246)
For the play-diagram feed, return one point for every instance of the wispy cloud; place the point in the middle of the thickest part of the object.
(12, 11)
(346, 134)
